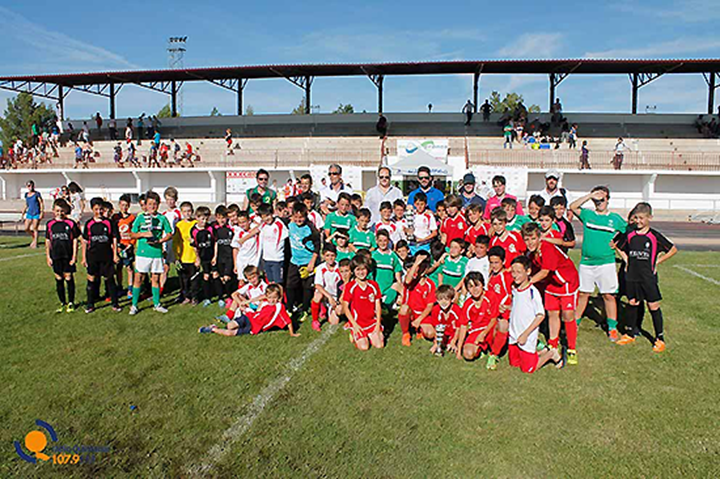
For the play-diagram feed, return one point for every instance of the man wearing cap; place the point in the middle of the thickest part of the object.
(467, 192)
(434, 196)
(551, 190)
(384, 191)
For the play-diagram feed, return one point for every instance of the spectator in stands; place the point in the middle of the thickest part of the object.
(467, 192)
(584, 156)
(336, 186)
(112, 127)
(468, 111)
(85, 135)
(552, 189)
(619, 156)
(382, 125)
(429, 107)
(267, 195)
(99, 123)
(434, 196)
(141, 128)
(572, 136)
(228, 141)
(129, 131)
(486, 109)
(499, 182)
(383, 191)
(156, 139)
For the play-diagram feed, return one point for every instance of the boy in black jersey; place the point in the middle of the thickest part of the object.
(223, 262)
(100, 255)
(643, 249)
(559, 205)
(204, 243)
(61, 242)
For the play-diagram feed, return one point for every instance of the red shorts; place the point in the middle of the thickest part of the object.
(364, 331)
(473, 335)
(430, 321)
(527, 362)
(560, 303)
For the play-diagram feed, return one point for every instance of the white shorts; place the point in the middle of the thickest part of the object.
(149, 265)
(603, 276)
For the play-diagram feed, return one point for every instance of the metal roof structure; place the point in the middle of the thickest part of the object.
(107, 84)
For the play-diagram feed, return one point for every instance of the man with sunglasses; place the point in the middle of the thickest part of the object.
(336, 186)
(597, 264)
(434, 196)
(268, 195)
(384, 191)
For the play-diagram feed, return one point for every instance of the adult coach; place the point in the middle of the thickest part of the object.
(33, 211)
(597, 263)
(552, 189)
(336, 186)
(383, 191)
(499, 183)
(267, 195)
(434, 196)
(467, 192)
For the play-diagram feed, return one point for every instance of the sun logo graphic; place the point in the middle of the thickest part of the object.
(36, 441)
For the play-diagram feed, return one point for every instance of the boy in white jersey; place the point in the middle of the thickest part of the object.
(525, 317)
(480, 262)
(386, 223)
(244, 298)
(315, 217)
(173, 215)
(246, 253)
(424, 225)
(327, 279)
(273, 233)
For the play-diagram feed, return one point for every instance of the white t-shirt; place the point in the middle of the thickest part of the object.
(329, 278)
(251, 292)
(394, 229)
(424, 224)
(76, 200)
(526, 304)
(481, 265)
(247, 253)
(329, 193)
(173, 216)
(272, 240)
(317, 220)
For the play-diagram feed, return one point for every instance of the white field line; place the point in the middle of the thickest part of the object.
(258, 405)
(698, 275)
(700, 265)
(21, 256)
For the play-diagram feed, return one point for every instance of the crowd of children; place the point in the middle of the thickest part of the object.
(470, 286)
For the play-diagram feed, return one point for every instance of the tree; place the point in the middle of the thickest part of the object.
(215, 112)
(509, 103)
(20, 115)
(344, 109)
(165, 112)
(249, 110)
(300, 109)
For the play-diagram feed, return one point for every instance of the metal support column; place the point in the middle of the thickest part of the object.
(380, 79)
(239, 97)
(307, 95)
(552, 90)
(711, 93)
(112, 100)
(634, 93)
(61, 102)
(173, 99)
(476, 80)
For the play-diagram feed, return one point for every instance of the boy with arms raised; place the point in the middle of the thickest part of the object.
(361, 305)
(151, 231)
(100, 255)
(61, 243)
(644, 249)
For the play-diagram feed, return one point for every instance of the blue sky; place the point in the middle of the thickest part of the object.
(51, 37)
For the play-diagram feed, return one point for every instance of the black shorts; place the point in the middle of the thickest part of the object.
(101, 269)
(206, 267)
(127, 256)
(61, 266)
(647, 290)
(225, 268)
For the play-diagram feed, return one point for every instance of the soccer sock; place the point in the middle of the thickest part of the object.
(554, 342)
(499, 342)
(218, 287)
(612, 324)
(657, 318)
(60, 288)
(135, 296)
(71, 289)
(111, 288)
(404, 320)
(156, 295)
(315, 309)
(631, 319)
(206, 289)
(571, 334)
(228, 288)
(90, 290)
(640, 314)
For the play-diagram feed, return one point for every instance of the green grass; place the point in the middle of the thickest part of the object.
(393, 413)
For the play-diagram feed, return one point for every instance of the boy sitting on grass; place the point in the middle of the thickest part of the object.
(254, 288)
(442, 325)
(272, 314)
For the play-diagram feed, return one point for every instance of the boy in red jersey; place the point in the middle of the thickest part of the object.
(499, 292)
(454, 225)
(511, 242)
(478, 319)
(557, 271)
(271, 314)
(418, 296)
(361, 304)
(476, 226)
(441, 326)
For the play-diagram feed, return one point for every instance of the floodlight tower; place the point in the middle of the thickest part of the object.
(176, 60)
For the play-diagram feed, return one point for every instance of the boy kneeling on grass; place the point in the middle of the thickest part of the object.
(271, 314)
(441, 327)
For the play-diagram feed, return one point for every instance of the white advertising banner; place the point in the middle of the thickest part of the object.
(238, 182)
(517, 180)
(437, 148)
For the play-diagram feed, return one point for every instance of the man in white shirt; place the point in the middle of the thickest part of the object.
(384, 191)
(552, 189)
(336, 186)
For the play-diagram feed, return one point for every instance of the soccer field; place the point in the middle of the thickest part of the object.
(168, 401)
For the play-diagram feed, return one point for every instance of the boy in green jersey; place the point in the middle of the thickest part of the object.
(340, 219)
(150, 230)
(597, 263)
(514, 221)
(341, 238)
(360, 235)
(452, 271)
(388, 269)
